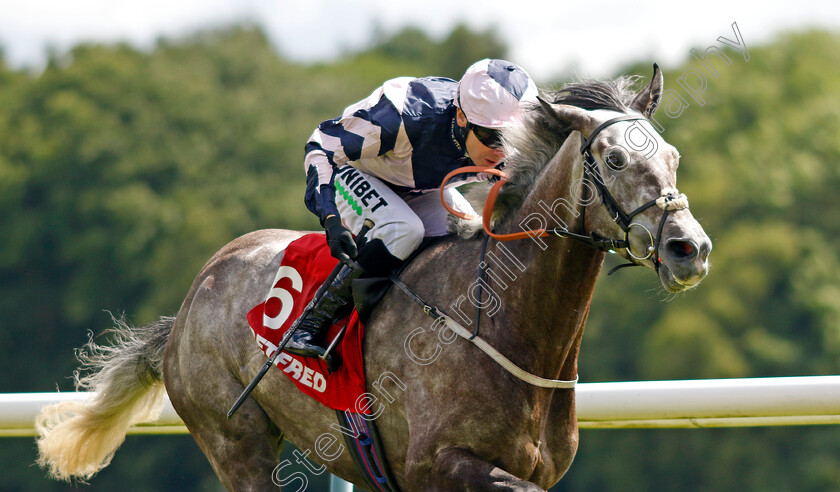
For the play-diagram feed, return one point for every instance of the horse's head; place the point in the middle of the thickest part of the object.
(627, 178)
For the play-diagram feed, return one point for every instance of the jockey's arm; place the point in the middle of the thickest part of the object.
(365, 130)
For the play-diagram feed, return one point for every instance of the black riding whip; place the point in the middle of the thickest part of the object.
(318, 294)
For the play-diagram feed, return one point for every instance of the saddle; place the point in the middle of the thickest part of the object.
(306, 264)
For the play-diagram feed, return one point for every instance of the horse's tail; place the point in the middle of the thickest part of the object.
(79, 438)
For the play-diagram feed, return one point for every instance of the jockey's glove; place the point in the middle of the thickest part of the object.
(339, 239)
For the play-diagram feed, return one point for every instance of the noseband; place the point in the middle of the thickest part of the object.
(669, 199)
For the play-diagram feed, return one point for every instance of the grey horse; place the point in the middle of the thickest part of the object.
(450, 417)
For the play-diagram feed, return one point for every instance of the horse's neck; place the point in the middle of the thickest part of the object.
(546, 307)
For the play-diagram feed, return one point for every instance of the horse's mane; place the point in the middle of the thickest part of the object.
(532, 145)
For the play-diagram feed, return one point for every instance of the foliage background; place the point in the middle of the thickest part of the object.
(122, 171)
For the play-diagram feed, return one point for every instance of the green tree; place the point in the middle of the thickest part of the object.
(463, 47)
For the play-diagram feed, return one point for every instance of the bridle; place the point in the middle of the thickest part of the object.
(670, 199)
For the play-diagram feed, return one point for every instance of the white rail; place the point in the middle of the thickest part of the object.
(808, 400)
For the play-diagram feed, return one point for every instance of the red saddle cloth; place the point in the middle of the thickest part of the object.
(305, 265)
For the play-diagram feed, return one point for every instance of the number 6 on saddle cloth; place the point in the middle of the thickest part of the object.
(360, 240)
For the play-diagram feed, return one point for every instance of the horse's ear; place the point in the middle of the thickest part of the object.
(648, 99)
(567, 116)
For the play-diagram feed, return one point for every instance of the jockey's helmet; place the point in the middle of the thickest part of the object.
(491, 91)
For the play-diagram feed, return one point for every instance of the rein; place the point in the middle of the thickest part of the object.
(669, 199)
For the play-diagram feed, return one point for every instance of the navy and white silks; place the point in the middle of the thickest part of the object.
(385, 157)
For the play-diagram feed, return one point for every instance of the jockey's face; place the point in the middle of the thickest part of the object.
(480, 154)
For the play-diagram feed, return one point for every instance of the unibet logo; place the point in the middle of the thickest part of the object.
(355, 183)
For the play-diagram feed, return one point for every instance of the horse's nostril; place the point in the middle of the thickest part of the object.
(681, 249)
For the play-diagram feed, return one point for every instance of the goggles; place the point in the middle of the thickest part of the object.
(490, 137)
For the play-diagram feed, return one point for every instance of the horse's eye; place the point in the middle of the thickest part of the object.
(616, 158)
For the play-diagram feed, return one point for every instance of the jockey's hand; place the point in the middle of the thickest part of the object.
(340, 240)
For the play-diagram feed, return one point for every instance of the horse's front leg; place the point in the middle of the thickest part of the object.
(457, 469)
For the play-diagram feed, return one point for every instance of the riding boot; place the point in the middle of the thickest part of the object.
(308, 339)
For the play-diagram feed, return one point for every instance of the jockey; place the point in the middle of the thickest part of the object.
(384, 158)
